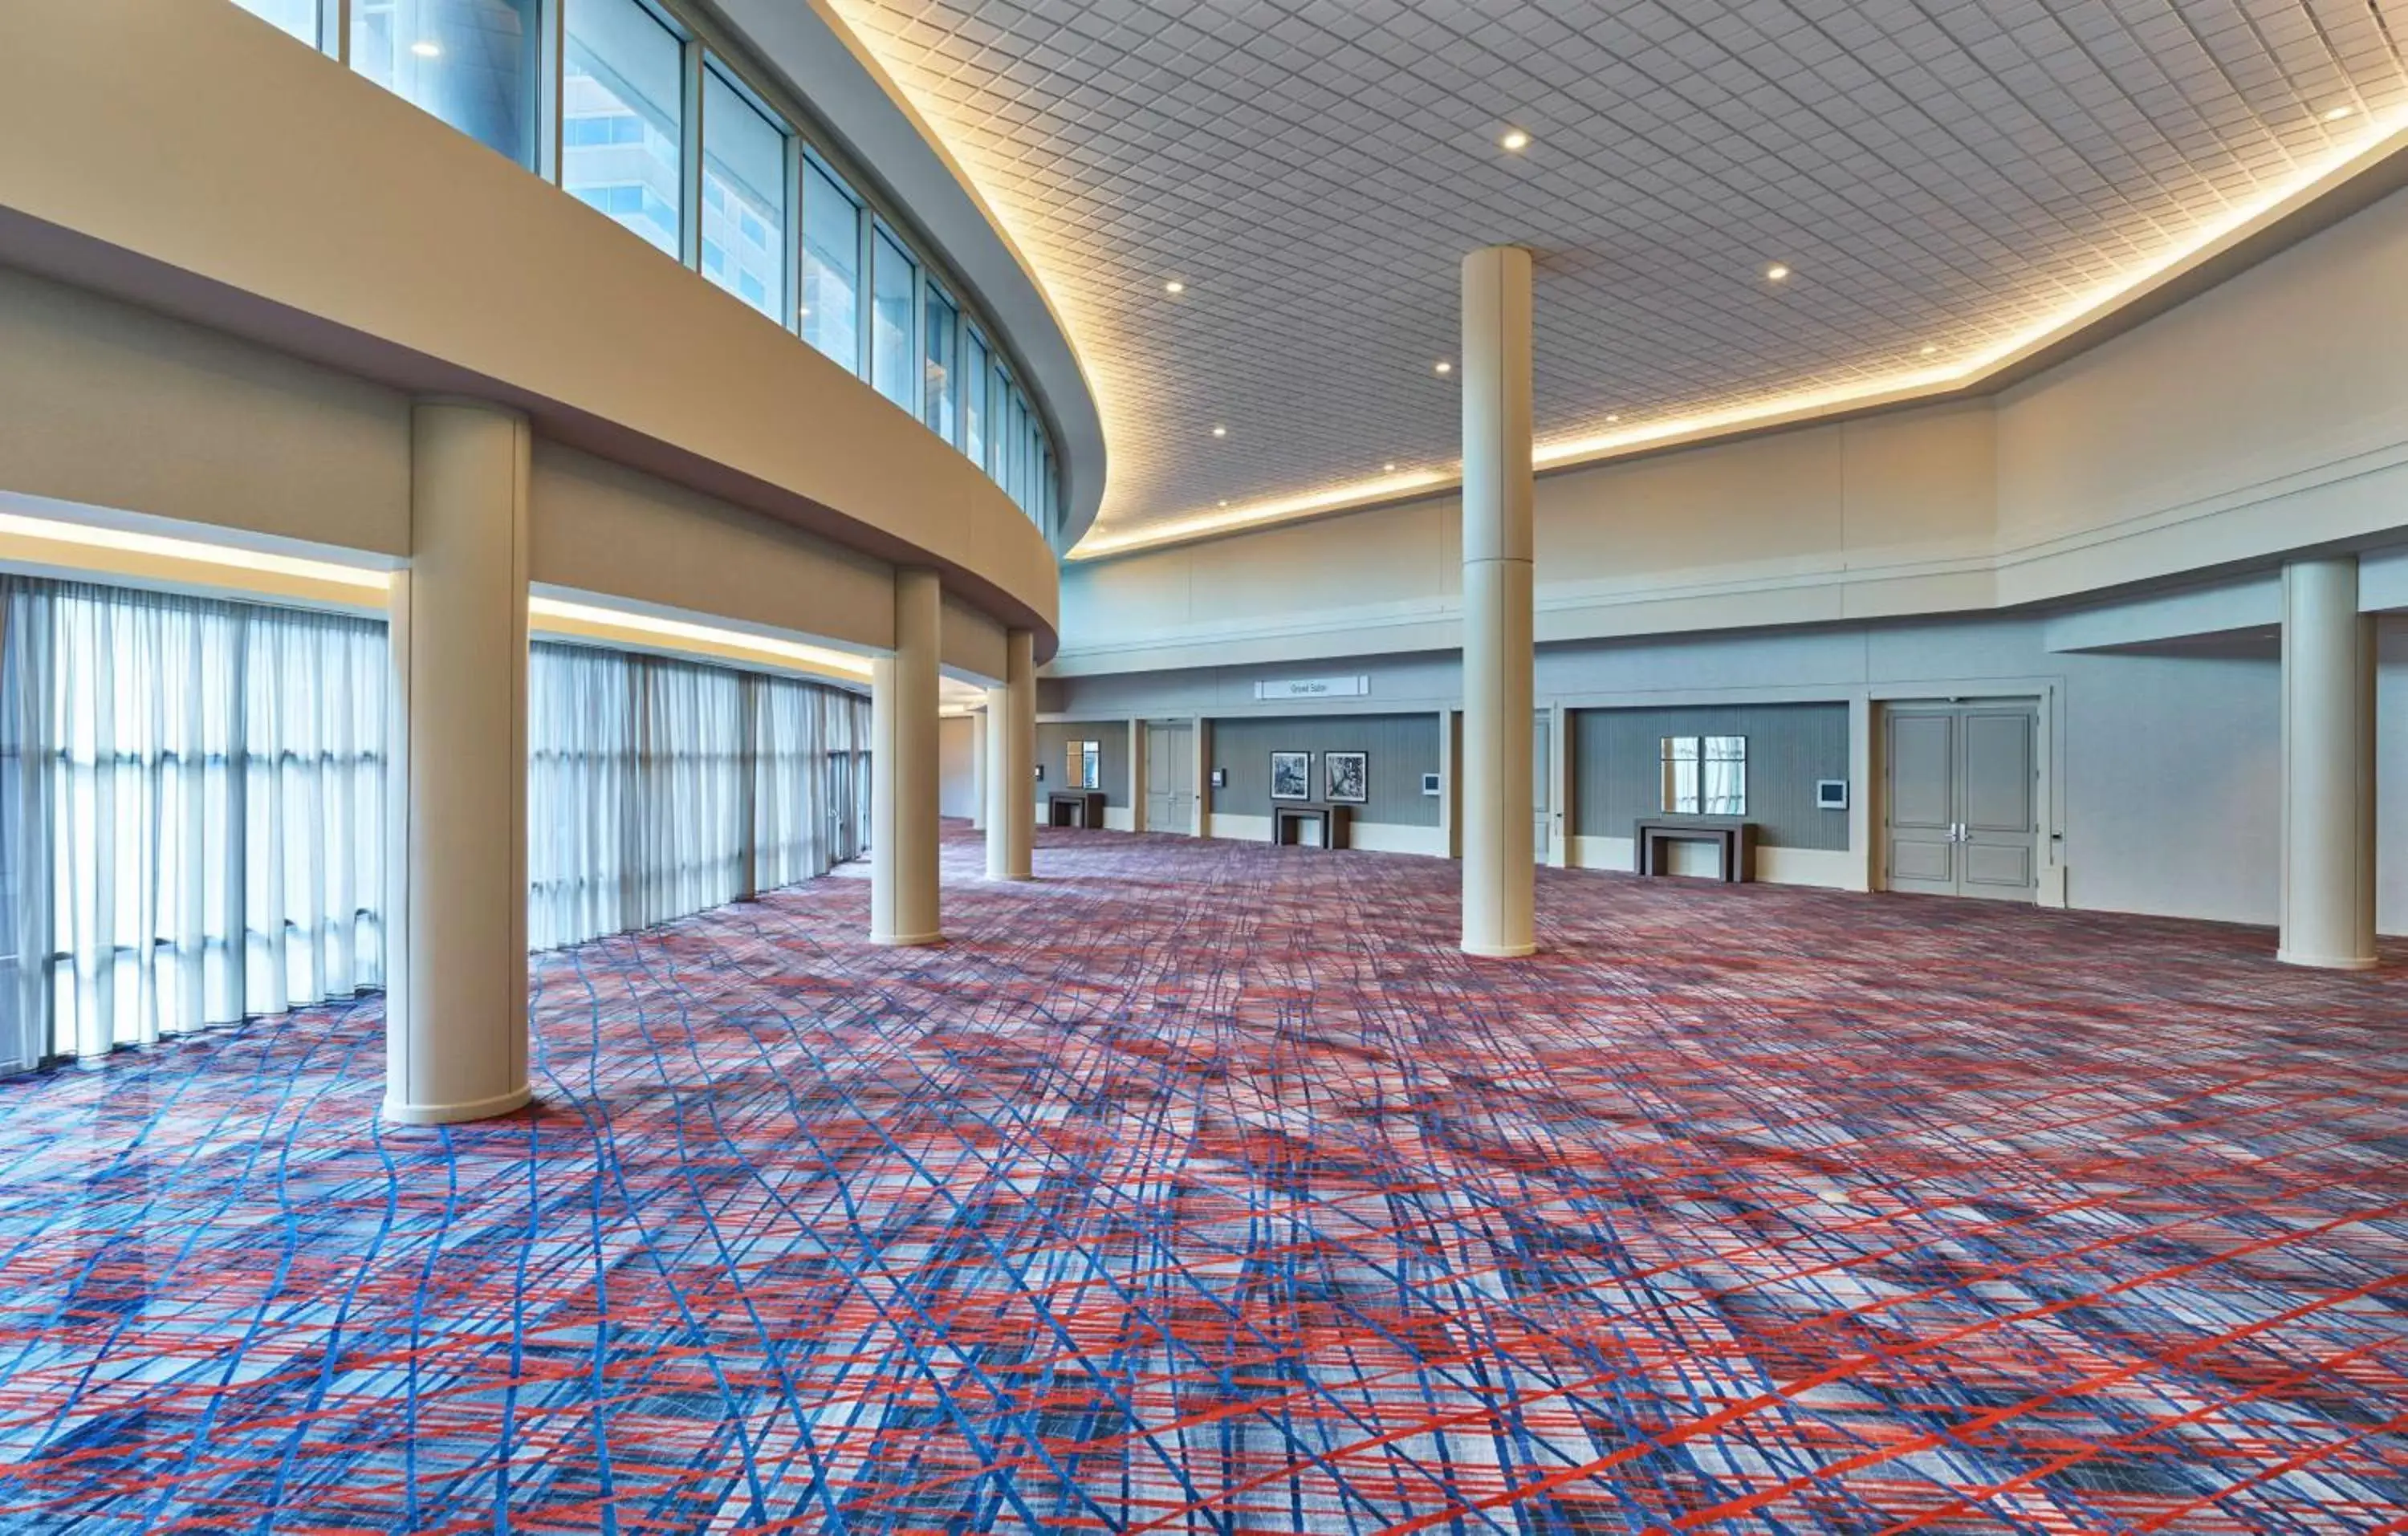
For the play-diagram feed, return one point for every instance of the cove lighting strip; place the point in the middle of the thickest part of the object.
(2385, 136)
(368, 579)
(162, 547)
(812, 658)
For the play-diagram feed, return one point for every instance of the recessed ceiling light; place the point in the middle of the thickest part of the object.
(1220, 432)
(1174, 286)
(2336, 114)
(1445, 367)
(1387, 468)
(1225, 501)
(1614, 415)
(1515, 139)
(1930, 347)
(1776, 273)
(426, 51)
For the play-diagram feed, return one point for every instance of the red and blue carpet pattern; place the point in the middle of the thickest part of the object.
(1205, 1188)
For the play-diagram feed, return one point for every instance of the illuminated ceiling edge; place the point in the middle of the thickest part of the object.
(2387, 136)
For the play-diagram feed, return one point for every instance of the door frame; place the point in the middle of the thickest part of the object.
(1872, 787)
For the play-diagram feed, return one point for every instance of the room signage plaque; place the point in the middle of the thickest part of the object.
(1354, 687)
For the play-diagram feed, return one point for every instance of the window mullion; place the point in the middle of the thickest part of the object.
(690, 154)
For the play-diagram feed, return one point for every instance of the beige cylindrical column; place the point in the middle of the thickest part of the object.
(1012, 762)
(2327, 768)
(1497, 880)
(456, 1011)
(978, 770)
(905, 789)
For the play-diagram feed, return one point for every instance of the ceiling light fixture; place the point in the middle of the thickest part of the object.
(1174, 287)
(2337, 113)
(1387, 468)
(1776, 273)
(1515, 139)
(1930, 347)
(1445, 367)
(427, 50)
(1220, 432)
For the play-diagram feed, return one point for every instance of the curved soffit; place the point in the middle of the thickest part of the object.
(1946, 188)
(829, 67)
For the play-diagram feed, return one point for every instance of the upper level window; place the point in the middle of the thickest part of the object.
(941, 381)
(891, 367)
(621, 102)
(297, 17)
(1013, 467)
(743, 198)
(831, 317)
(472, 63)
(974, 414)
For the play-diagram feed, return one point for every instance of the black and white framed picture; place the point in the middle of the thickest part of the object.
(1347, 777)
(1291, 776)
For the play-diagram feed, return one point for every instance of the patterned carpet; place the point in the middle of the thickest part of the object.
(1203, 1187)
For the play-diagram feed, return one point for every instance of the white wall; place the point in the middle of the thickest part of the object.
(958, 777)
(2167, 778)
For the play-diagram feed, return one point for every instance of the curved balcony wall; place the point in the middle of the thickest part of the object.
(193, 161)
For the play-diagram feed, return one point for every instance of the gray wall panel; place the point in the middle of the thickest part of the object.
(1789, 746)
(1402, 748)
(1053, 748)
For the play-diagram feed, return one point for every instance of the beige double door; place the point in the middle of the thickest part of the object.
(1169, 778)
(1961, 803)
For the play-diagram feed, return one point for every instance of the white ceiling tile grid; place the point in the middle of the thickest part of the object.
(1936, 173)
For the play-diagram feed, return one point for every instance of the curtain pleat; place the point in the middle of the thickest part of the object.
(193, 806)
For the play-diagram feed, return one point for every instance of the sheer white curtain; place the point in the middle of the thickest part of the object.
(191, 798)
(657, 788)
(811, 779)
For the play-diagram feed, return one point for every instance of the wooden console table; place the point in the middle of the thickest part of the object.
(1736, 838)
(1328, 822)
(1075, 808)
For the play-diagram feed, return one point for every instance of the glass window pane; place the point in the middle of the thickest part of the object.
(890, 340)
(831, 268)
(472, 63)
(942, 380)
(622, 105)
(974, 399)
(297, 17)
(1015, 440)
(743, 198)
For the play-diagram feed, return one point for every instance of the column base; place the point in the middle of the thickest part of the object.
(2326, 962)
(1500, 952)
(906, 941)
(449, 1115)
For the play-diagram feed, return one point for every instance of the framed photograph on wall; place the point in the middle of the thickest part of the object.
(1347, 775)
(1291, 776)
